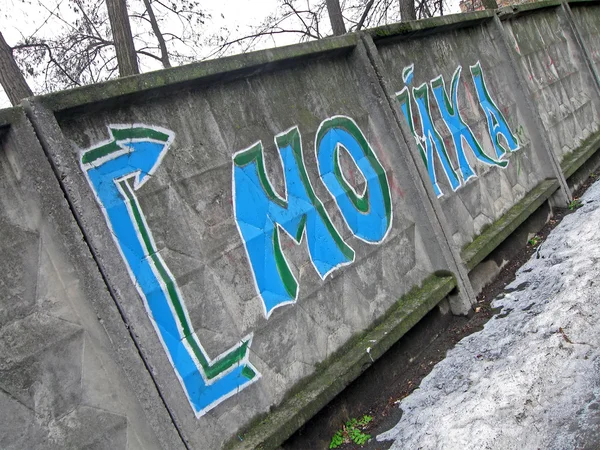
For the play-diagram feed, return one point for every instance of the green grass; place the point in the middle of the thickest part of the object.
(352, 431)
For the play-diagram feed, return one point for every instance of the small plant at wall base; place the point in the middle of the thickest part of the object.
(574, 204)
(352, 431)
(535, 240)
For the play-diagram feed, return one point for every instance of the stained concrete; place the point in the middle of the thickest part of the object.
(557, 74)
(215, 109)
(481, 200)
(62, 383)
(188, 208)
(584, 20)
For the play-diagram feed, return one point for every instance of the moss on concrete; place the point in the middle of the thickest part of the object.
(241, 65)
(473, 253)
(10, 116)
(582, 2)
(572, 161)
(514, 11)
(346, 365)
(536, 5)
(429, 26)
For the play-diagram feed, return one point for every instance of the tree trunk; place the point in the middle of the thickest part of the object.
(11, 78)
(407, 10)
(122, 37)
(164, 55)
(335, 16)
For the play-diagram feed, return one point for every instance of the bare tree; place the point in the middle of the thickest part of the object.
(407, 10)
(11, 78)
(335, 16)
(74, 45)
(78, 48)
(164, 54)
(122, 37)
(315, 19)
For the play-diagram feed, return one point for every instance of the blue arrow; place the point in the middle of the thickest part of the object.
(115, 170)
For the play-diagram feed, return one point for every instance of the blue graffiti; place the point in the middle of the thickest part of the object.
(495, 119)
(430, 142)
(460, 131)
(115, 170)
(368, 215)
(433, 140)
(261, 214)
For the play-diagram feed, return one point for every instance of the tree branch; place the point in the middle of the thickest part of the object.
(161, 40)
(364, 15)
(50, 57)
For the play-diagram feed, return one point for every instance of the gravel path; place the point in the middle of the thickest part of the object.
(531, 378)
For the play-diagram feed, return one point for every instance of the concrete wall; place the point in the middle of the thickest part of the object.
(490, 179)
(63, 381)
(250, 218)
(188, 206)
(585, 18)
(557, 74)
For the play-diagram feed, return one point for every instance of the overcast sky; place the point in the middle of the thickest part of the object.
(19, 18)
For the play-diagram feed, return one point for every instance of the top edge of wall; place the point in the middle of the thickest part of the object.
(159, 82)
(513, 11)
(434, 25)
(189, 75)
(583, 2)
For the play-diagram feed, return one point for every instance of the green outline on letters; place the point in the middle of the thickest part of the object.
(255, 154)
(122, 134)
(218, 367)
(360, 203)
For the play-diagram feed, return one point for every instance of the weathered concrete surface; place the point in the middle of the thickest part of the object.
(481, 200)
(530, 378)
(556, 72)
(188, 207)
(61, 381)
(164, 229)
(585, 18)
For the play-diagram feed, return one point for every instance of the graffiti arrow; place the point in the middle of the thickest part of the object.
(115, 170)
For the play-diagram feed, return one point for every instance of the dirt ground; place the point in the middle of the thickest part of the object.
(400, 371)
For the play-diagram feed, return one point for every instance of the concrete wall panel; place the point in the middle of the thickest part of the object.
(558, 77)
(61, 383)
(230, 226)
(187, 205)
(586, 19)
(470, 201)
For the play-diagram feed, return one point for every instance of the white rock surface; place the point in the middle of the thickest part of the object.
(521, 383)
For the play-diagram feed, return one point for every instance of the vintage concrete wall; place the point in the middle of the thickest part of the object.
(188, 205)
(584, 19)
(477, 191)
(557, 74)
(63, 380)
(247, 220)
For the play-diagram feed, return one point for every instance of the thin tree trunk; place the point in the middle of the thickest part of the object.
(335, 16)
(364, 15)
(164, 55)
(11, 78)
(122, 37)
(407, 10)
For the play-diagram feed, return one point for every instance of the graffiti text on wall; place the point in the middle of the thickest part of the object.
(429, 140)
(261, 214)
(116, 169)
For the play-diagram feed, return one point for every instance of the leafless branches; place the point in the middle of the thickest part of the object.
(308, 20)
(82, 52)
